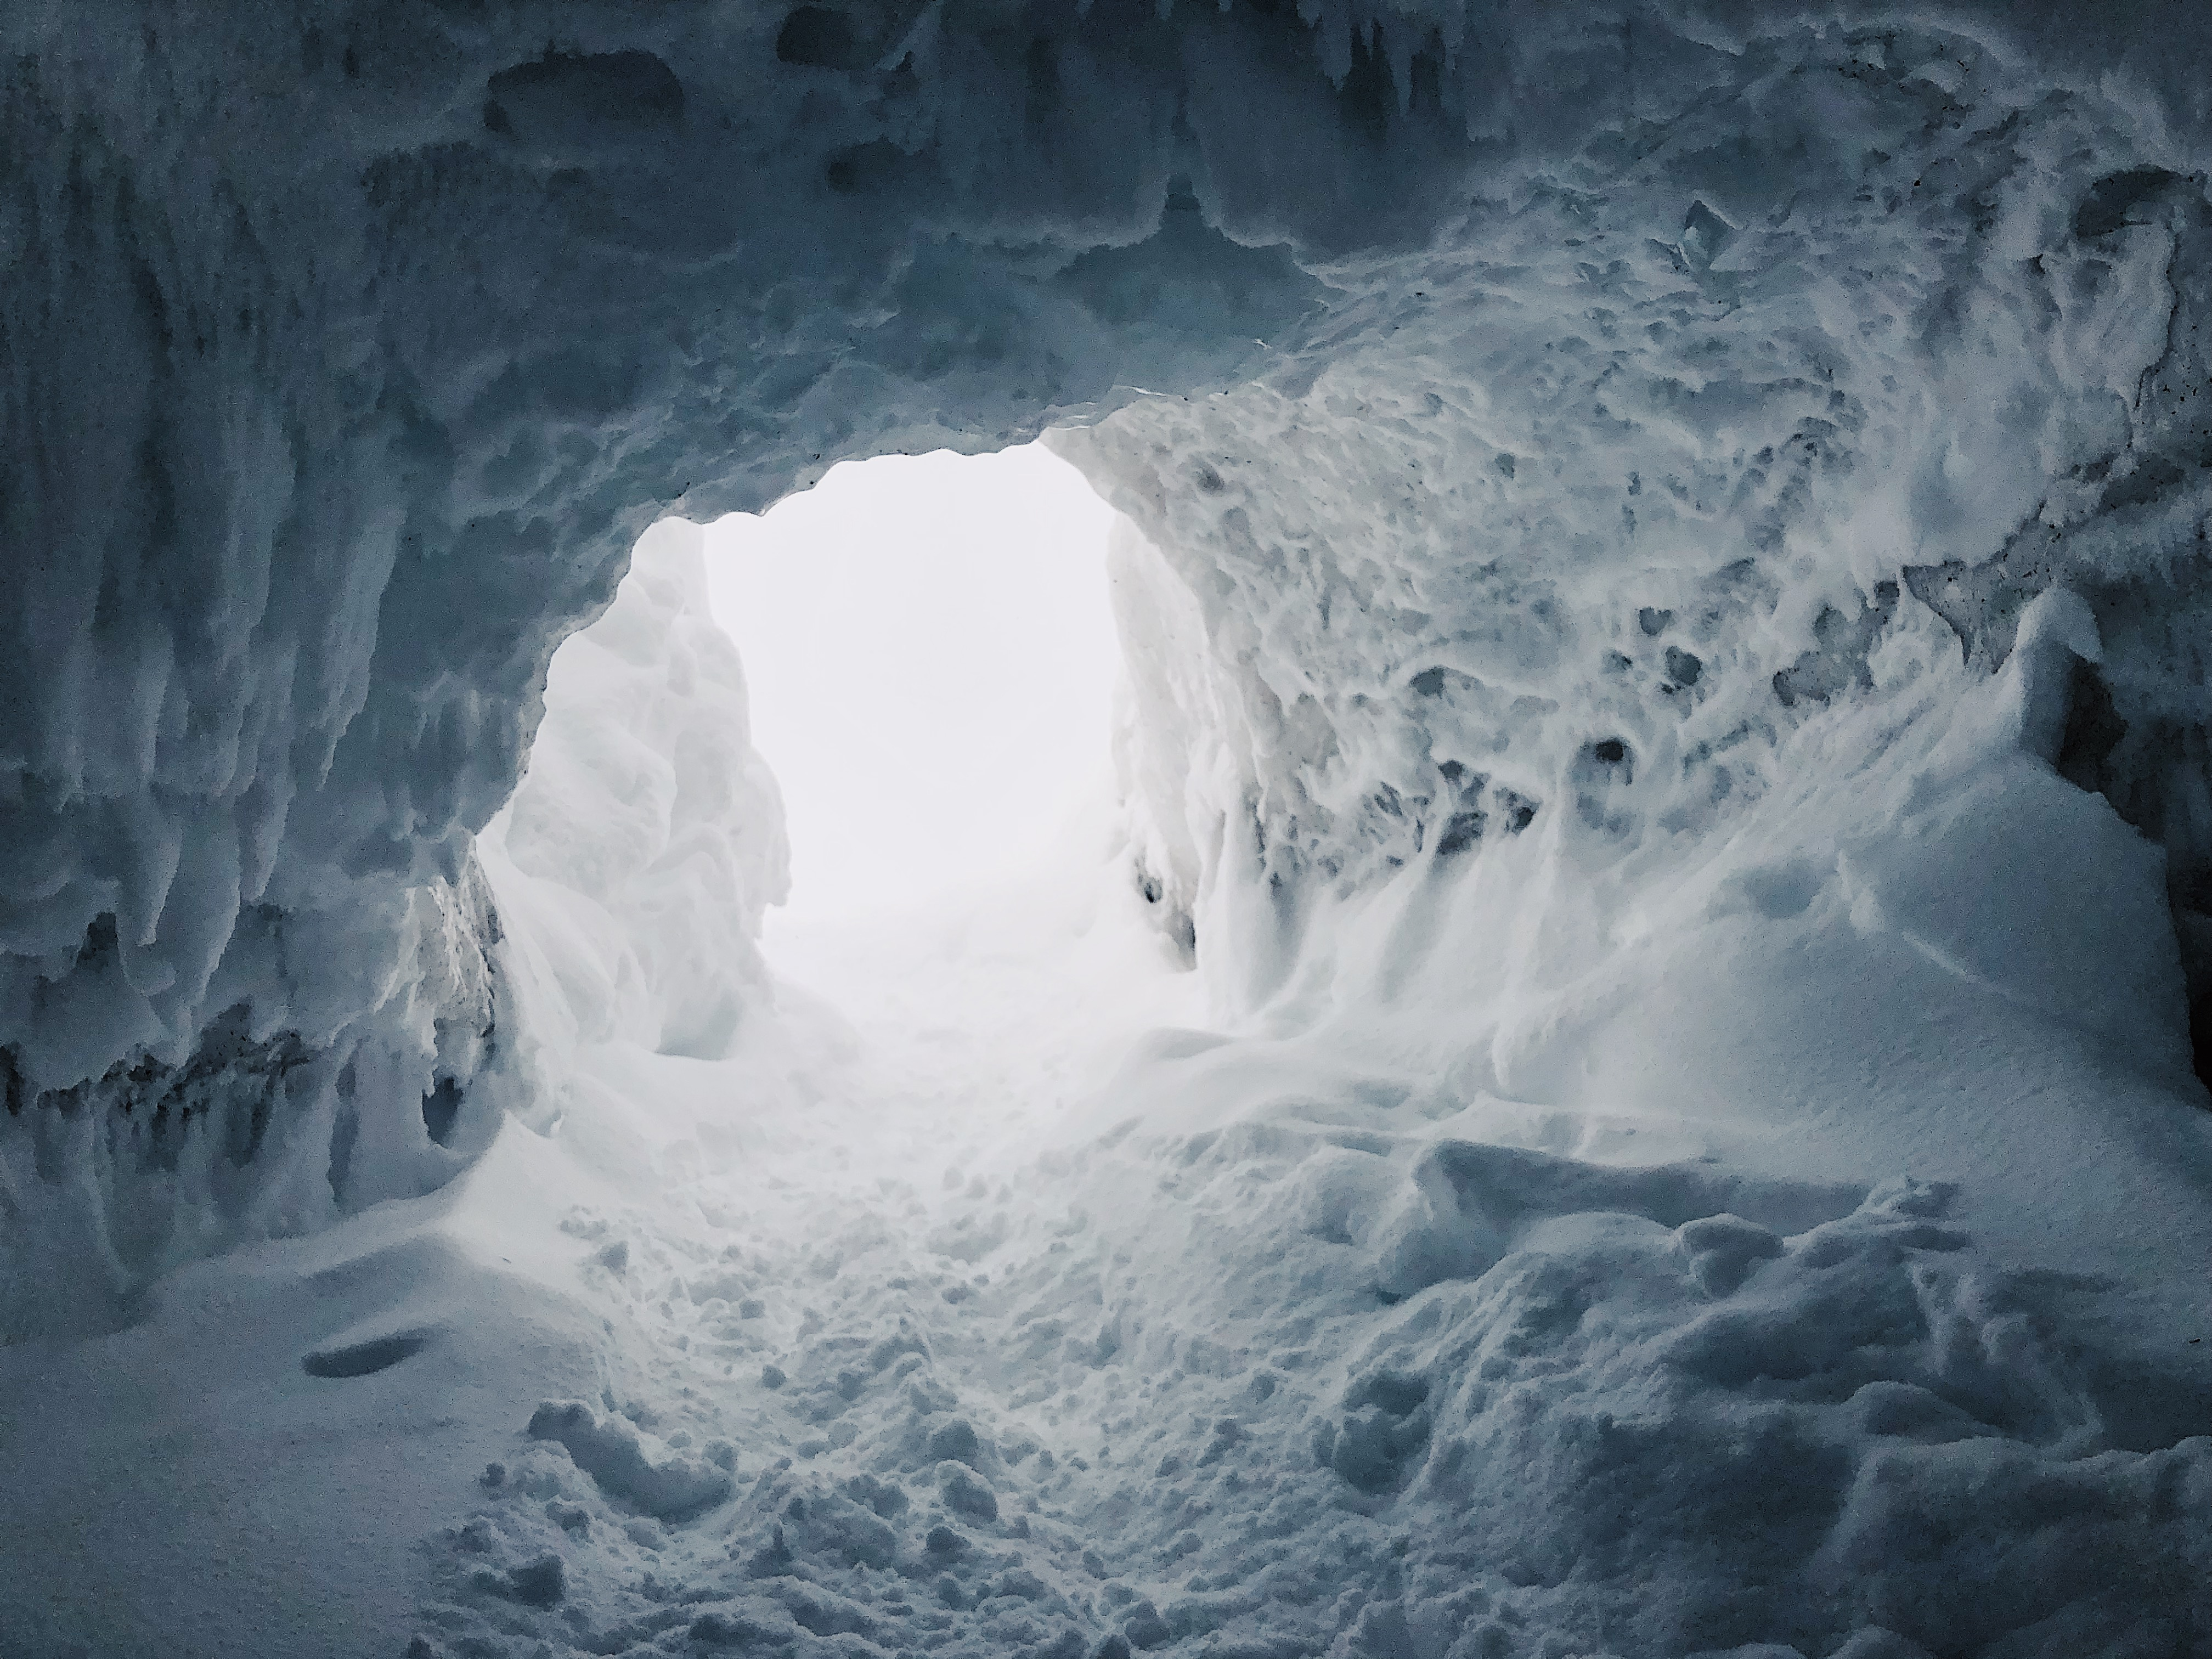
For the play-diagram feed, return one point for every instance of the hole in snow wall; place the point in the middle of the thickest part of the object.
(302, 487)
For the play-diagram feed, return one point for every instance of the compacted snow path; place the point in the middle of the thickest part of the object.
(951, 1354)
(990, 1293)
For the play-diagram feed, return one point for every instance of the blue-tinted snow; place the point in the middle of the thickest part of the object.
(1615, 1081)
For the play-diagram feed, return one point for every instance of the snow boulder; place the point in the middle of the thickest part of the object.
(629, 1465)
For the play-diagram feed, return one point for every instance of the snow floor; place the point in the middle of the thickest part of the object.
(902, 1332)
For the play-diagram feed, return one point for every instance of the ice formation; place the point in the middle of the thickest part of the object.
(1617, 1081)
(646, 838)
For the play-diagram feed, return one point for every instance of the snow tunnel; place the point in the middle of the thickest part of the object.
(1620, 1072)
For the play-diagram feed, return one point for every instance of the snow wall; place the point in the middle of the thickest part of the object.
(648, 836)
(1540, 426)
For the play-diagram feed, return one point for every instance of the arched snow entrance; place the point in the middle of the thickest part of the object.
(1672, 543)
(930, 646)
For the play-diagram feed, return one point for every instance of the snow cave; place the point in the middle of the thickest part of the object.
(1505, 951)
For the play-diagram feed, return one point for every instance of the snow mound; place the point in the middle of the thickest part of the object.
(629, 1466)
(646, 838)
(1469, 1200)
(1170, 1407)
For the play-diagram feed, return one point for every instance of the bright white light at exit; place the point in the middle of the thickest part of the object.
(931, 661)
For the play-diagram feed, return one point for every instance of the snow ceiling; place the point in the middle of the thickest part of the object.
(1528, 419)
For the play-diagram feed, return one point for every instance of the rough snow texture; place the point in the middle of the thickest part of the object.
(1571, 525)
(348, 349)
(1645, 536)
(646, 837)
(1645, 435)
(304, 1096)
(1367, 1373)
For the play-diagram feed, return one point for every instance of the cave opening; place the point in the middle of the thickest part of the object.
(930, 659)
(1679, 1137)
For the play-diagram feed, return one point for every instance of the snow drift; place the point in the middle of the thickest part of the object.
(647, 837)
